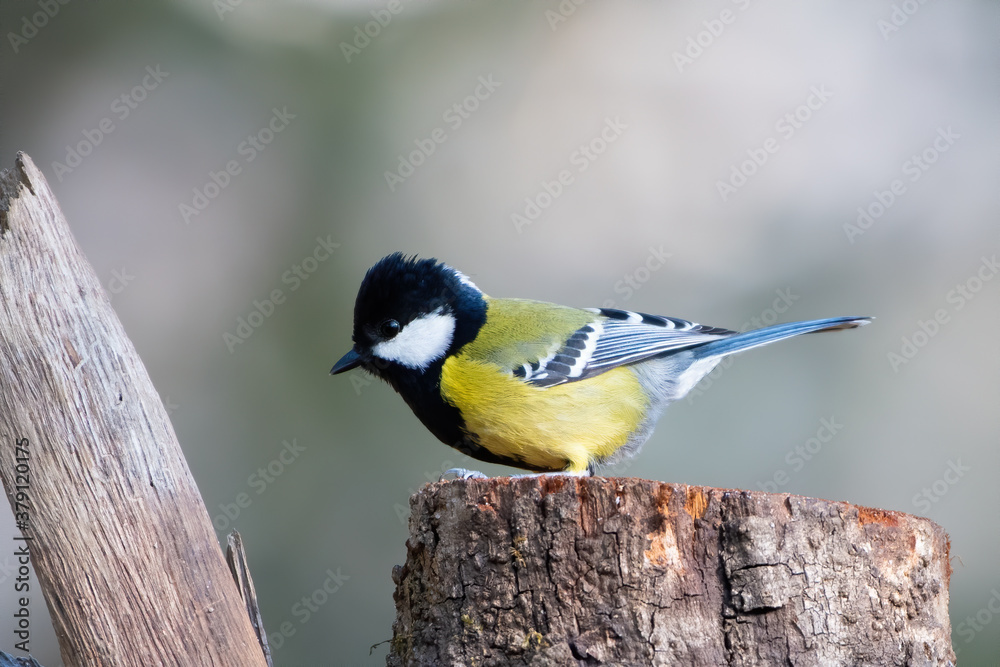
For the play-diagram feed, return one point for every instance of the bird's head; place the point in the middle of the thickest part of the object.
(410, 314)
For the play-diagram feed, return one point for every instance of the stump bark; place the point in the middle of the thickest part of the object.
(118, 535)
(622, 571)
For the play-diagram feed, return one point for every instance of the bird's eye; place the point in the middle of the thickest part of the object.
(388, 329)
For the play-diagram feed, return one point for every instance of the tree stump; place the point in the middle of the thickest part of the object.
(621, 571)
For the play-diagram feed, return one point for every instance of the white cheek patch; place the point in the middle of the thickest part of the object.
(420, 343)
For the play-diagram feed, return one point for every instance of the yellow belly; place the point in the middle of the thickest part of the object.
(563, 427)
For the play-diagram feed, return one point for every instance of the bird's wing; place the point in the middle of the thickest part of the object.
(614, 338)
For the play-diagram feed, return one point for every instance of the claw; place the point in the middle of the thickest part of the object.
(461, 473)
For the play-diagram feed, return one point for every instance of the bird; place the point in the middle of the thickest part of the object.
(529, 384)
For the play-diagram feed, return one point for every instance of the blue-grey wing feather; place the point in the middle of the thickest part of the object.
(615, 338)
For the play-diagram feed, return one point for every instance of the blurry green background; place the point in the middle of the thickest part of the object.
(694, 90)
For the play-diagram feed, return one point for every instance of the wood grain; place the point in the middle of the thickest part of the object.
(121, 541)
(622, 571)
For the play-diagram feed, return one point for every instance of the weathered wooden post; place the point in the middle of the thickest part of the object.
(623, 571)
(119, 537)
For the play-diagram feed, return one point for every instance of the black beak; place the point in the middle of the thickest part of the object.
(350, 360)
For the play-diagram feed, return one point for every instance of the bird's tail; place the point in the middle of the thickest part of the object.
(758, 337)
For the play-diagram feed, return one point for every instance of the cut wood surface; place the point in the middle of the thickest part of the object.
(120, 539)
(622, 571)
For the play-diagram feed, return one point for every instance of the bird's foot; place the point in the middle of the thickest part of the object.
(461, 473)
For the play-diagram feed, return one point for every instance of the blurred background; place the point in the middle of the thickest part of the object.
(232, 168)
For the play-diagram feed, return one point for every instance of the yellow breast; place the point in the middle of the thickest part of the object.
(563, 427)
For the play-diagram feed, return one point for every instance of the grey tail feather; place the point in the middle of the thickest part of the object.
(758, 337)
